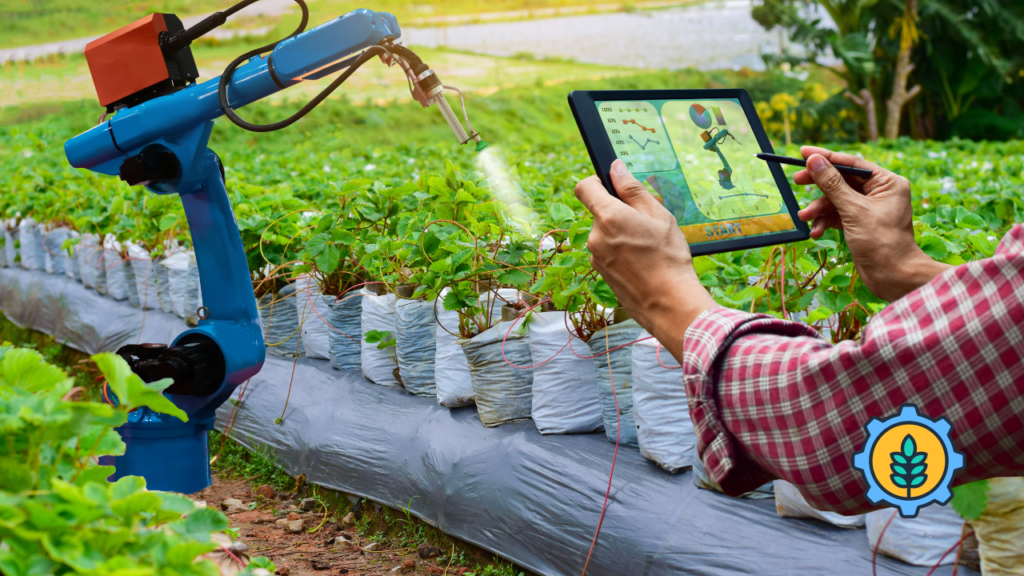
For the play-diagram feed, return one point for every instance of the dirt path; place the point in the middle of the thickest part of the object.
(279, 529)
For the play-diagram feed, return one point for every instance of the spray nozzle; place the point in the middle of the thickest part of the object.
(427, 89)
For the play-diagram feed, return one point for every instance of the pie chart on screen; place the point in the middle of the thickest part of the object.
(701, 116)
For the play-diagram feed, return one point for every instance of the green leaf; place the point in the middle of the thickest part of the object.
(129, 388)
(328, 260)
(916, 459)
(899, 481)
(176, 503)
(897, 457)
(899, 469)
(970, 500)
(603, 295)
(126, 486)
(967, 219)
(818, 314)
(316, 244)
(934, 247)
(26, 369)
(135, 505)
(167, 221)
(560, 213)
(185, 553)
(918, 481)
(200, 524)
(918, 469)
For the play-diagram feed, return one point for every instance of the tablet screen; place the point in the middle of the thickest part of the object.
(698, 155)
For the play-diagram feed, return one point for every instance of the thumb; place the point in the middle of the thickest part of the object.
(629, 189)
(831, 182)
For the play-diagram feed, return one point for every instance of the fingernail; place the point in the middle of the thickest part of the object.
(619, 168)
(816, 163)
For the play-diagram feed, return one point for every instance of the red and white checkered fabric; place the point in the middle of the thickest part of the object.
(770, 398)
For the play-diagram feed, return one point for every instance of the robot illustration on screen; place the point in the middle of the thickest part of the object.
(713, 138)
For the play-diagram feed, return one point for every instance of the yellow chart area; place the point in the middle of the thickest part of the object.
(638, 136)
(716, 146)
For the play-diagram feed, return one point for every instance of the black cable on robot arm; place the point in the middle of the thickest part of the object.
(363, 58)
(185, 37)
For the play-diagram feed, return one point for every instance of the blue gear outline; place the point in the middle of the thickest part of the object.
(908, 414)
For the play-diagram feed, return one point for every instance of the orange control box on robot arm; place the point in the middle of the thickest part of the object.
(130, 64)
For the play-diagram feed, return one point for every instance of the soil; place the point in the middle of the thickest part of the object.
(301, 553)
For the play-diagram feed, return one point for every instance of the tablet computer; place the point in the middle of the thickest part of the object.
(695, 149)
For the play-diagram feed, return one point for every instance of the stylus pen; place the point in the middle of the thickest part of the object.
(803, 164)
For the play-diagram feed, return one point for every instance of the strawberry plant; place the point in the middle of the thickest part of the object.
(567, 280)
(59, 513)
(384, 341)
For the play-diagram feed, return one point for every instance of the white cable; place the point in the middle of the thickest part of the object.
(463, 102)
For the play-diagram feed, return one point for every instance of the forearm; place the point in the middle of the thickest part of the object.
(668, 316)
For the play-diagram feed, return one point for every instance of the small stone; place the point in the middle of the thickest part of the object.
(409, 564)
(425, 551)
(371, 547)
(200, 503)
(345, 542)
(238, 546)
(283, 571)
(397, 570)
(261, 572)
(293, 516)
(265, 491)
(307, 504)
(349, 520)
(290, 525)
(231, 502)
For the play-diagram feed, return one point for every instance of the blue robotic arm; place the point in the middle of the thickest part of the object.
(162, 143)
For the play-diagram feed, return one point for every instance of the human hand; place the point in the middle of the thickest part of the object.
(876, 217)
(637, 247)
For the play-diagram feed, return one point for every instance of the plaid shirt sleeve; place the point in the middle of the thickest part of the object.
(771, 398)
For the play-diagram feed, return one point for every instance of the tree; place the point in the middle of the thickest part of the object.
(906, 27)
(953, 67)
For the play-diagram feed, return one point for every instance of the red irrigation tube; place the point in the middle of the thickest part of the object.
(943, 557)
(606, 351)
(618, 418)
(657, 356)
(878, 544)
(339, 298)
(615, 456)
(513, 325)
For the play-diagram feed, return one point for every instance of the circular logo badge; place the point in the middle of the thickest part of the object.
(908, 461)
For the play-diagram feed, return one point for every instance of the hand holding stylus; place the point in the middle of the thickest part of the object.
(876, 216)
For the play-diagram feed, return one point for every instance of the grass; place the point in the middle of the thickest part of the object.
(27, 22)
(24, 22)
(233, 460)
(67, 78)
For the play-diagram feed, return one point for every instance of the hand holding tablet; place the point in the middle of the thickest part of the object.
(694, 149)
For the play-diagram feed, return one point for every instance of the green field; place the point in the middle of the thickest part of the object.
(965, 192)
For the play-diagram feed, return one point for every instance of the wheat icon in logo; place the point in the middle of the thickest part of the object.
(908, 465)
(908, 460)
